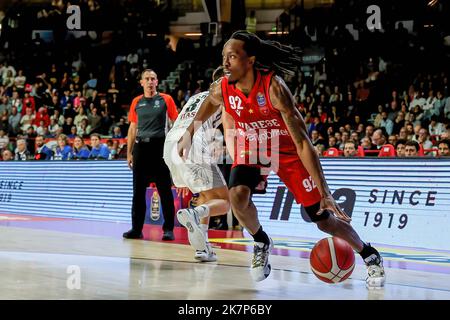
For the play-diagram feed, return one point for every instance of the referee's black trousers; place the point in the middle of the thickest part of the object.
(148, 167)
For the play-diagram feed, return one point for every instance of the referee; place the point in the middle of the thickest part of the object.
(149, 118)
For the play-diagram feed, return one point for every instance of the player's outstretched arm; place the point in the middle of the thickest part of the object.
(283, 101)
(209, 106)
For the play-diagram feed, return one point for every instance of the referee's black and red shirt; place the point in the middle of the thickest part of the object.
(152, 115)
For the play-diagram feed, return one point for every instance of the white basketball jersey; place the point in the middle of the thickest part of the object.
(188, 114)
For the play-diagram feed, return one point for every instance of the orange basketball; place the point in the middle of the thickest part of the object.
(332, 260)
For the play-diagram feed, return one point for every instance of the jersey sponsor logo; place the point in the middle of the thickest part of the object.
(260, 99)
(262, 103)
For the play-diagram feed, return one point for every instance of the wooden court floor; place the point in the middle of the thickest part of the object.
(38, 263)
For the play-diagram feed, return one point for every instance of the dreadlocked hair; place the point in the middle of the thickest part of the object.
(270, 55)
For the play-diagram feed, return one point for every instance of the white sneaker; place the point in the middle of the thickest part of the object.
(190, 220)
(375, 271)
(205, 255)
(261, 267)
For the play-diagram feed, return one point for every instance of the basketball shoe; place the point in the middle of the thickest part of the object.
(375, 270)
(261, 267)
(205, 255)
(190, 220)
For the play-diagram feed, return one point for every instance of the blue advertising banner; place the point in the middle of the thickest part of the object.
(392, 201)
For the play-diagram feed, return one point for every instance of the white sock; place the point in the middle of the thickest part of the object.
(205, 228)
(203, 211)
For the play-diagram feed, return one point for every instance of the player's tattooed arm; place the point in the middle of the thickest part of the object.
(283, 101)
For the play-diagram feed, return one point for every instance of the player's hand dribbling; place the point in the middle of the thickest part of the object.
(328, 203)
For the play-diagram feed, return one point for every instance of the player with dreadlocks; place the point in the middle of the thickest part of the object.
(271, 135)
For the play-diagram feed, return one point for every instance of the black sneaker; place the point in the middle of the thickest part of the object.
(132, 234)
(168, 235)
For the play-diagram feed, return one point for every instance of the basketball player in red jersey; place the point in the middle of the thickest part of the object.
(271, 134)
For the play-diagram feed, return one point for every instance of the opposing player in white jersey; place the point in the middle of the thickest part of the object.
(199, 173)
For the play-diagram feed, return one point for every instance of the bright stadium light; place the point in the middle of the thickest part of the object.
(432, 3)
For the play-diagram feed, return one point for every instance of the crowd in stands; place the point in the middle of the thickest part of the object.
(341, 119)
(362, 99)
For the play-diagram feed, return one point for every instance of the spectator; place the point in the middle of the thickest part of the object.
(28, 102)
(354, 136)
(19, 81)
(378, 139)
(80, 150)
(316, 125)
(402, 134)
(400, 147)
(4, 140)
(42, 115)
(399, 122)
(369, 130)
(80, 116)
(27, 120)
(53, 106)
(117, 133)
(392, 139)
(436, 128)
(250, 22)
(66, 98)
(42, 152)
(444, 148)
(344, 138)
(58, 117)
(7, 155)
(99, 151)
(84, 129)
(63, 150)
(53, 127)
(285, 21)
(332, 142)
(69, 111)
(315, 138)
(378, 117)
(14, 122)
(4, 104)
(409, 131)
(320, 149)
(423, 139)
(113, 146)
(411, 149)
(350, 149)
(22, 152)
(393, 112)
(67, 126)
(95, 120)
(73, 132)
(41, 129)
(366, 144)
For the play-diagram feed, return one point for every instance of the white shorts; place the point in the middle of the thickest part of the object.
(199, 175)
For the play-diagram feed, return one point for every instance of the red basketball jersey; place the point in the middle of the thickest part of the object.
(261, 131)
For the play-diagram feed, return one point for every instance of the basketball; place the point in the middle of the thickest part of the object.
(332, 260)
